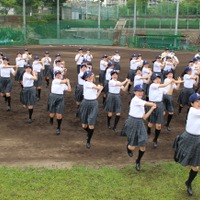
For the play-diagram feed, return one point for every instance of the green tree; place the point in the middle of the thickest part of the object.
(6, 5)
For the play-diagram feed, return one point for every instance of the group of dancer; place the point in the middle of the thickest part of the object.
(151, 91)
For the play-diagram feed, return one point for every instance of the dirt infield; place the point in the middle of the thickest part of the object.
(23, 144)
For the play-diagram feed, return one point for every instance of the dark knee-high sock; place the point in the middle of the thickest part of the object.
(129, 87)
(90, 134)
(51, 120)
(47, 80)
(169, 118)
(192, 176)
(117, 117)
(9, 100)
(148, 130)
(108, 120)
(59, 121)
(86, 129)
(140, 154)
(5, 98)
(30, 112)
(180, 109)
(157, 133)
(39, 92)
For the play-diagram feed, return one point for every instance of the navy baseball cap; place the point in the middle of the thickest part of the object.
(46, 52)
(167, 48)
(190, 61)
(1, 53)
(158, 57)
(168, 57)
(195, 59)
(168, 72)
(145, 62)
(139, 54)
(36, 57)
(138, 88)
(80, 49)
(154, 76)
(187, 69)
(5, 58)
(57, 55)
(113, 72)
(28, 66)
(57, 72)
(110, 64)
(194, 97)
(134, 55)
(86, 74)
(116, 51)
(88, 49)
(57, 61)
(25, 49)
(104, 56)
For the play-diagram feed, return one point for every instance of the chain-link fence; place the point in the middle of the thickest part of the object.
(93, 24)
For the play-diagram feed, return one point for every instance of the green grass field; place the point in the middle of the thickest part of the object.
(164, 181)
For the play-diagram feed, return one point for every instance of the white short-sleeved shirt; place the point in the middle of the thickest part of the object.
(137, 107)
(167, 88)
(138, 80)
(156, 93)
(108, 75)
(20, 62)
(46, 60)
(57, 87)
(112, 88)
(188, 82)
(6, 72)
(27, 82)
(116, 58)
(134, 64)
(80, 80)
(80, 59)
(157, 66)
(37, 66)
(88, 57)
(192, 124)
(89, 92)
(103, 65)
(168, 66)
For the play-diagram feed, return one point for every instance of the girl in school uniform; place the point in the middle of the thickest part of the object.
(188, 88)
(89, 105)
(134, 127)
(38, 66)
(156, 91)
(79, 88)
(187, 145)
(47, 67)
(113, 101)
(158, 66)
(28, 93)
(88, 56)
(6, 82)
(20, 62)
(103, 66)
(56, 99)
(168, 97)
(116, 61)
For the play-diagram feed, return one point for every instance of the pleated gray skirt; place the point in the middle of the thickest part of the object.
(56, 103)
(113, 103)
(188, 149)
(28, 96)
(88, 111)
(135, 131)
(5, 85)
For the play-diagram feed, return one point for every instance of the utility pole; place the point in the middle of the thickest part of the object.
(24, 19)
(176, 24)
(58, 19)
(99, 19)
(134, 18)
